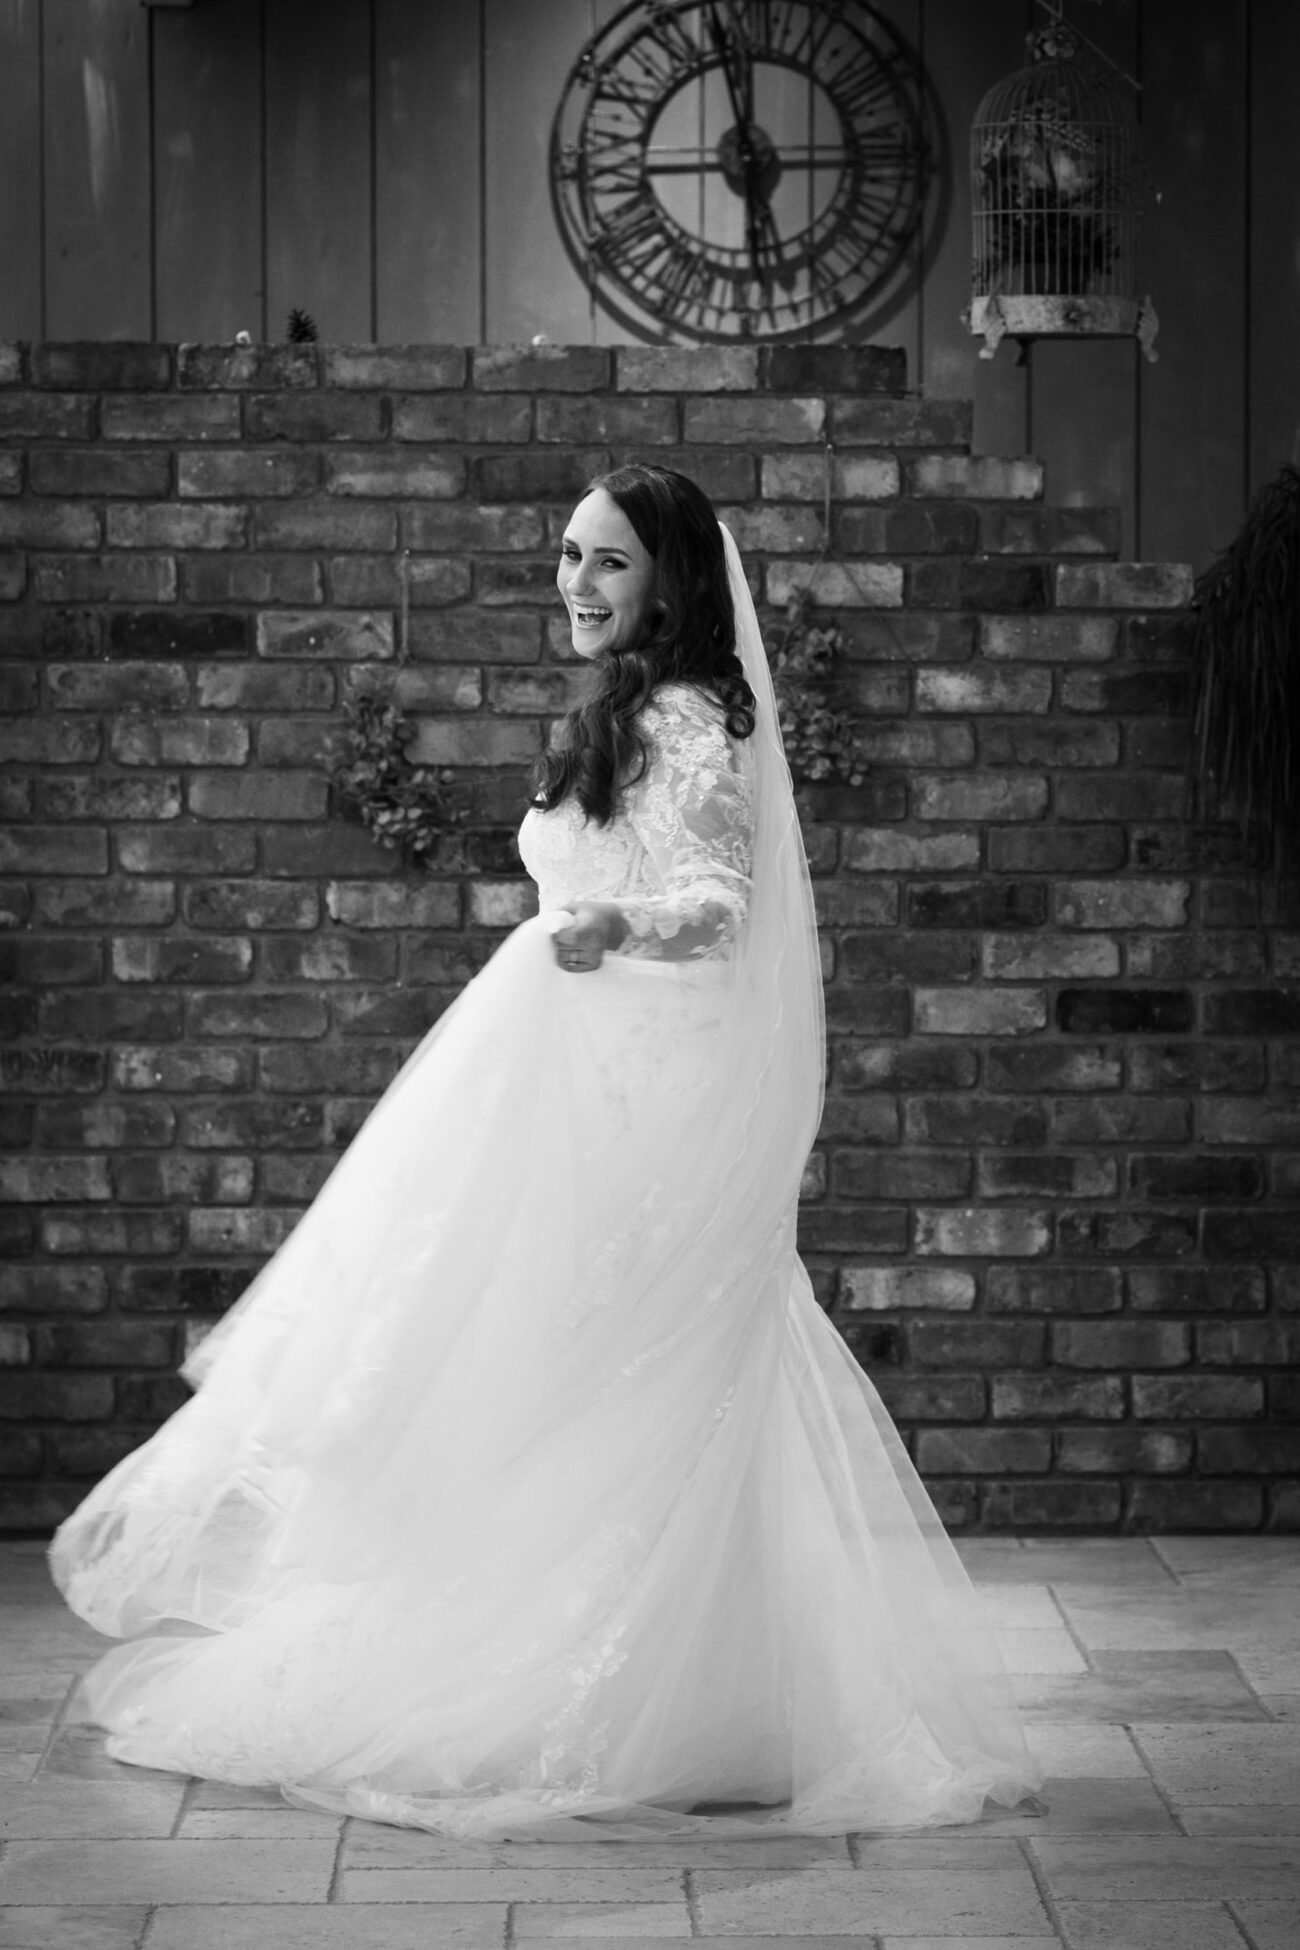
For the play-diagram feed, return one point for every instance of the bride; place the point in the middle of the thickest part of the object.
(528, 1481)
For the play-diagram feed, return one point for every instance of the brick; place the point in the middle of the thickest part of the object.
(180, 741)
(469, 418)
(985, 478)
(43, 1181)
(234, 687)
(476, 741)
(1122, 1012)
(979, 1012)
(509, 582)
(539, 692)
(256, 1016)
(910, 1066)
(101, 1344)
(46, 1289)
(496, 530)
(314, 418)
(965, 1120)
(1048, 1397)
(185, 849)
(984, 1344)
(67, 742)
(183, 1289)
(881, 1289)
(912, 1175)
(1154, 744)
(177, 1071)
(251, 579)
(109, 366)
(1048, 639)
(1055, 745)
(500, 904)
(168, 417)
(686, 369)
(11, 363)
(645, 421)
(367, 1069)
(871, 369)
(1053, 1290)
(1180, 849)
(1253, 1452)
(1252, 1012)
(911, 528)
(171, 633)
(178, 958)
(855, 1229)
(116, 687)
(836, 585)
(13, 577)
(1119, 1120)
(1196, 1289)
(352, 635)
(237, 368)
(1050, 531)
(1161, 638)
(233, 1230)
(393, 904)
(1050, 1506)
(1251, 1343)
(898, 956)
(1048, 957)
(1111, 1235)
(299, 851)
(97, 470)
(50, 416)
(388, 1011)
(955, 582)
(253, 1124)
(932, 1397)
(42, 1068)
(977, 690)
(323, 524)
(55, 1398)
(988, 796)
(1121, 1344)
(1019, 1175)
(1057, 849)
(910, 638)
(54, 849)
(289, 741)
(48, 524)
(1123, 903)
(252, 904)
(977, 1231)
(394, 471)
(201, 1178)
(983, 1452)
(985, 903)
(1086, 1452)
(1197, 1398)
(1196, 1507)
(867, 1012)
(776, 530)
(105, 903)
(752, 421)
(853, 477)
(861, 1120)
(1202, 1176)
(1053, 1066)
(244, 471)
(885, 850)
(1237, 1235)
(105, 579)
(541, 474)
(96, 1231)
(1127, 693)
(541, 368)
(1123, 585)
(105, 1125)
(260, 796)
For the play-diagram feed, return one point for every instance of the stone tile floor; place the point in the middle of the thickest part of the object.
(1161, 1679)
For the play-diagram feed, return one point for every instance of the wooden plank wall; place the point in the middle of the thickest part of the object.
(188, 173)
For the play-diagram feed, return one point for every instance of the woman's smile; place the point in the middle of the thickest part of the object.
(604, 576)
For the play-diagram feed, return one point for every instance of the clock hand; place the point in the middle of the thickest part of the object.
(742, 107)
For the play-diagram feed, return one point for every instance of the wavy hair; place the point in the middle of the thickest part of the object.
(690, 638)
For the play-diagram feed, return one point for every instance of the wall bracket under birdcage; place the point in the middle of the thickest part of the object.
(1057, 188)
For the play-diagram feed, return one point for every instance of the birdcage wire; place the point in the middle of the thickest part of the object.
(1057, 189)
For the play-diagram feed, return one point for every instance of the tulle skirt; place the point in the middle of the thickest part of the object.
(528, 1483)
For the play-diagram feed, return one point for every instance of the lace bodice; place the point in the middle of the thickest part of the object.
(677, 855)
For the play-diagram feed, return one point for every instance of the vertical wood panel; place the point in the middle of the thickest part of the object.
(894, 317)
(1083, 395)
(1274, 348)
(318, 166)
(208, 162)
(1192, 424)
(96, 139)
(20, 175)
(967, 50)
(531, 286)
(427, 142)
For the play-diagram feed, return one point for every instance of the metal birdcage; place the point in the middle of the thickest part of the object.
(1057, 186)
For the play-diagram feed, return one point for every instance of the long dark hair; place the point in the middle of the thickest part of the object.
(690, 638)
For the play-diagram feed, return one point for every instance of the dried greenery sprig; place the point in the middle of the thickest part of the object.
(821, 737)
(402, 803)
(1246, 657)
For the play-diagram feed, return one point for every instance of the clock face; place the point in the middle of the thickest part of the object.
(741, 168)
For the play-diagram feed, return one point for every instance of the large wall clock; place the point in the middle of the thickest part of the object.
(742, 168)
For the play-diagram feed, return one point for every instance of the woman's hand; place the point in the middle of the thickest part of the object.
(593, 929)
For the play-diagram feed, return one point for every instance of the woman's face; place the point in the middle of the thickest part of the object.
(604, 576)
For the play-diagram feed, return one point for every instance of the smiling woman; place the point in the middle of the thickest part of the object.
(605, 576)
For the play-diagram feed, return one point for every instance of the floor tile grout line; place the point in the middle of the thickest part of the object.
(150, 1918)
(1153, 1544)
(336, 1873)
(1230, 1905)
(692, 1904)
(183, 1807)
(1045, 1895)
(57, 1726)
(1079, 1646)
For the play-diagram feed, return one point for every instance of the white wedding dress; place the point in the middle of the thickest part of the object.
(528, 1482)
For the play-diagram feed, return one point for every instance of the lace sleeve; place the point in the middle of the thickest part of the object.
(692, 814)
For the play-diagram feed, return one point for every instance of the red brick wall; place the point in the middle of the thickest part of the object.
(1054, 1201)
